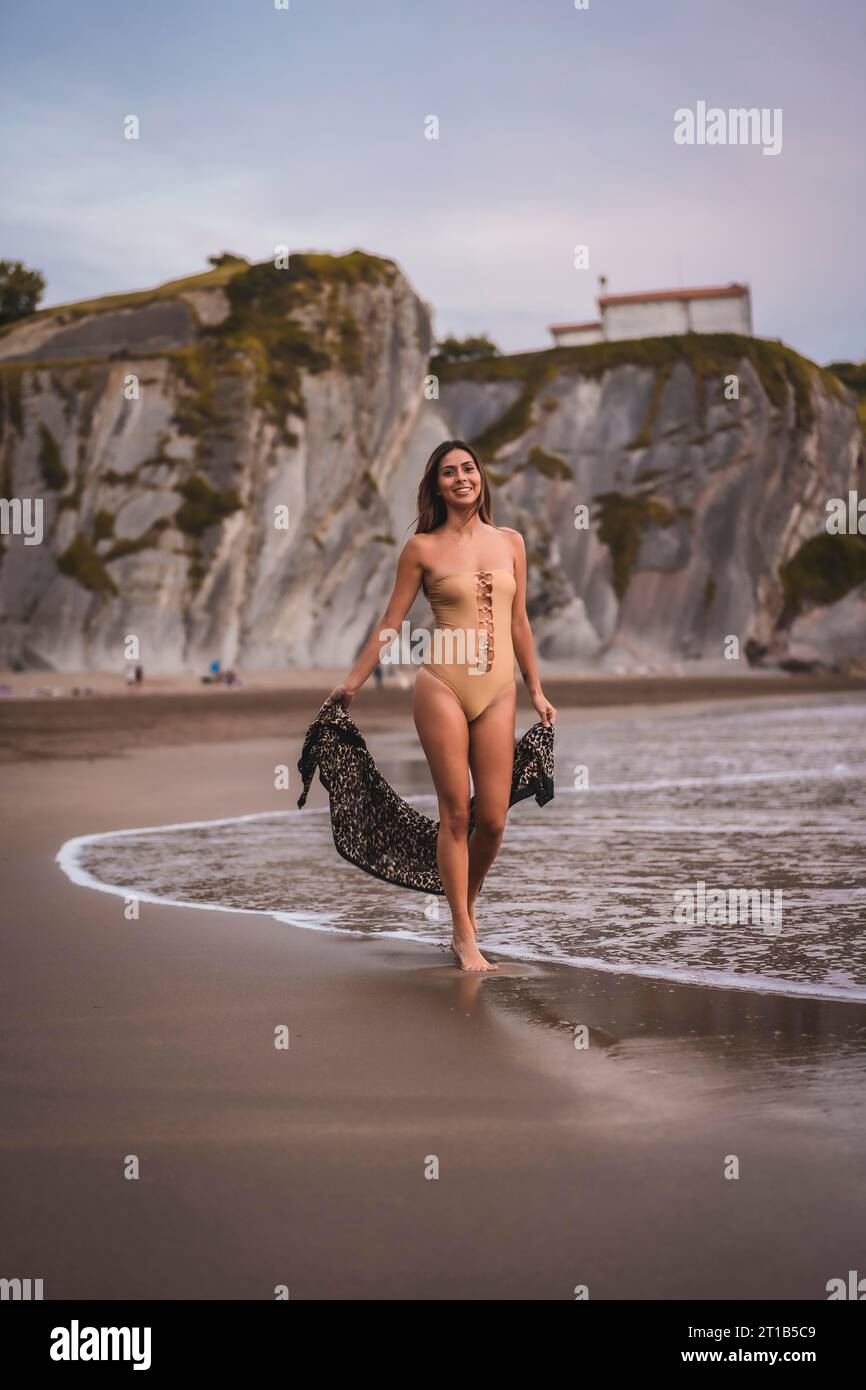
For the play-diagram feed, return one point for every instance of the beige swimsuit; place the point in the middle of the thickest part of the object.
(472, 648)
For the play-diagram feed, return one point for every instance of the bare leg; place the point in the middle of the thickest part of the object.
(444, 735)
(491, 757)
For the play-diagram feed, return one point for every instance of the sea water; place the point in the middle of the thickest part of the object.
(653, 809)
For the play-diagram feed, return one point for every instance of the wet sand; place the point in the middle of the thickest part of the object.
(557, 1167)
(178, 710)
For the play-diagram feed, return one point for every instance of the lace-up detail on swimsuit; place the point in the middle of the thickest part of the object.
(465, 605)
(484, 608)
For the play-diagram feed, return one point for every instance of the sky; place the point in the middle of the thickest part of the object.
(305, 127)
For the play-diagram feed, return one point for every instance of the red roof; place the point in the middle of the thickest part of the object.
(712, 292)
(562, 327)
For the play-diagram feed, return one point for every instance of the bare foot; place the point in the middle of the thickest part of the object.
(470, 959)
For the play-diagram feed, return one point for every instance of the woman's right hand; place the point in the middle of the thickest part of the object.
(341, 695)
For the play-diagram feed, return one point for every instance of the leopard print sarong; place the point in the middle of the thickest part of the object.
(373, 827)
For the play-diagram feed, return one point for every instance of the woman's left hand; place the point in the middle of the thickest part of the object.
(544, 708)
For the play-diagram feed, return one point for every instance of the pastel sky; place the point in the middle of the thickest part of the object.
(306, 127)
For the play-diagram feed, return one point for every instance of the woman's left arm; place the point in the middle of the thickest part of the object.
(521, 634)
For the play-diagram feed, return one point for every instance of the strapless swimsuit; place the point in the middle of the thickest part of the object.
(472, 650)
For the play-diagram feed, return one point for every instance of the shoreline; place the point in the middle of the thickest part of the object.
(68, 860)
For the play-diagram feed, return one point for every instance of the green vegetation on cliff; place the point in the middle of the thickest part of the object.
(643, 438)
(137, 299)
(204, 505)
(853, 375)
(709, 356)
(203, 370)
(464, 349)
(20, 291)
(80, 562)
(621, 521)
(281, 323)
(824, 569)
(54, 474)
(10, 396)
(270, 336)
(551, 465)
(368, 491)
(103, 525)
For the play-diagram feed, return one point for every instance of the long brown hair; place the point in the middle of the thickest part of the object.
(431, 506)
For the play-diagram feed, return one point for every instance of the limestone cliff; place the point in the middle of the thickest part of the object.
(257, 390)
(704, 464)
(228, 466)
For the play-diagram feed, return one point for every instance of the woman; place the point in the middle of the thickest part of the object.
(474, 575)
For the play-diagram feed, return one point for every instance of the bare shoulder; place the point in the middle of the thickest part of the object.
(515, 540)
(414, 550)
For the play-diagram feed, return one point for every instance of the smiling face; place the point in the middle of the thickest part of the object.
(459, 480)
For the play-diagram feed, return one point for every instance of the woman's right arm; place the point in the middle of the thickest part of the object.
(410, 572)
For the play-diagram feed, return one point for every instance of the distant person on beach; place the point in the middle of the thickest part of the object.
(474, 576)
(139, 674)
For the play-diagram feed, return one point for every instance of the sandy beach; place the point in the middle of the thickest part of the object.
(557, 1167)
(172, 710)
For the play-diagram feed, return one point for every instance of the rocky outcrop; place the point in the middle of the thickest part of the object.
(833, 633)
(228, 466)
(215, 460)
(661, 486)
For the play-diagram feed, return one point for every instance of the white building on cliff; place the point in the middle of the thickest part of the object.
(656, 313)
